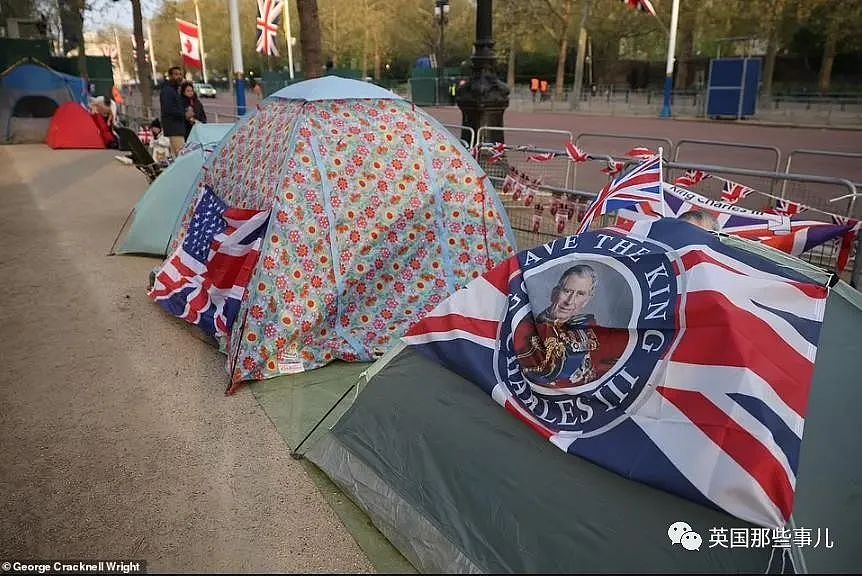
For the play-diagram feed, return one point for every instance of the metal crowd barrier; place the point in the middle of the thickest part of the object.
(520, 144)
(459, 130)
(529, 232)
(741, 155)
(849, 164)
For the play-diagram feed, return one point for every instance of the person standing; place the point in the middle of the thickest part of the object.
(193, 107)
(173, 112)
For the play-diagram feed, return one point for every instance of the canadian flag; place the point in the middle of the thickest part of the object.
(190, 44)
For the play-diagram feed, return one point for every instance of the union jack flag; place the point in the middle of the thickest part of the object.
(787, 208)
(642, 184)
(640, 152)
(575, 154)
(733, 192)
(793, 235)
(708, 406)
(269, 12)
(543, 157)
(204, 280)
(498, 150)
(690, 178)
(642, 5)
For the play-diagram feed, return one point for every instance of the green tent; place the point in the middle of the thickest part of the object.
(158, 210)
(459, 485)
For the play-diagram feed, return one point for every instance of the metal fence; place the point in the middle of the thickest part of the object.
(460, 131)
(838, 194)
(536, 214)
(753, 156)
(521, 144)
(823, 162)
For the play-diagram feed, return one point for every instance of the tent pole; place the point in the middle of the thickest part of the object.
(295, 453)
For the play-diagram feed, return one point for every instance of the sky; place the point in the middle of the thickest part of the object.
(119, 13)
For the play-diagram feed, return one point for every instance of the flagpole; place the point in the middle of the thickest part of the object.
(152, 54)
(201, 42)
(671, 50)
(120, 58)
(288, 38)
(661, 180)
(236, 50)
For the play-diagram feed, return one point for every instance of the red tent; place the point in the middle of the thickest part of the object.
(73, 127)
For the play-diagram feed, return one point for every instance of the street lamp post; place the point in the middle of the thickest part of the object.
(484, 97)
(441, 14)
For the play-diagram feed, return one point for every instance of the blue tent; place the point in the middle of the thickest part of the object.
(30, 93)
(158, 210)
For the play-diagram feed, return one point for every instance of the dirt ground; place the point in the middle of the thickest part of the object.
(117, 440)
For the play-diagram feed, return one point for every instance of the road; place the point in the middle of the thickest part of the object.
(118, 441)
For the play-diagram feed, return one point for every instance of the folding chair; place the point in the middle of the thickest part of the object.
(140, 155)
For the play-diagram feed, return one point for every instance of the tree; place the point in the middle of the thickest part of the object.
(309, 36)
(144, 73)
(841, 20)
(557, 27)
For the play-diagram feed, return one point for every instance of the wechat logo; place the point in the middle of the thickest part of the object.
(682, 534)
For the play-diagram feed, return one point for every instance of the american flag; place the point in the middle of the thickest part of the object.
(642, 5)
(269, 12)
(204, 280)
(716, 416)
(690, 178)
(642, 184)
(733, 192)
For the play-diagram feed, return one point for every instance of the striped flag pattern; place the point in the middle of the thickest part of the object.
(642, 184)
(718, 419)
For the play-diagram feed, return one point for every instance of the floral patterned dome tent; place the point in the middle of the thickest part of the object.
(377, 214)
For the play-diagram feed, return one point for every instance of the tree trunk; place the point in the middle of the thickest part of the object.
(510, 69)
(365, 41)
(769, 65)
(79, 6)
(566, 18)
(376, 57)
(772, 42)
(144, 71)
(309, 36)
(829, 51)
(685, 72)
(559, 86)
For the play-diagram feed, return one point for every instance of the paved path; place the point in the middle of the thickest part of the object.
(117, 440)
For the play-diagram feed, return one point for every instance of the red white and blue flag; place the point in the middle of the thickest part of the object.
(665, 356)
(788, 208)
(733, 192)
(268, 14)
(691, 178)
(641, 184)
(793, 235)
(204, 280)
(642, 5)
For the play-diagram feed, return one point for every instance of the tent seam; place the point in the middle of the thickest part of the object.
(438, 209)
(333, 246)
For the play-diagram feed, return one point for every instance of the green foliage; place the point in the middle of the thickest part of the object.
(368, 35)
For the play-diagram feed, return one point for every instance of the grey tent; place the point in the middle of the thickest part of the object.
(459, 485)
(30, 93)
